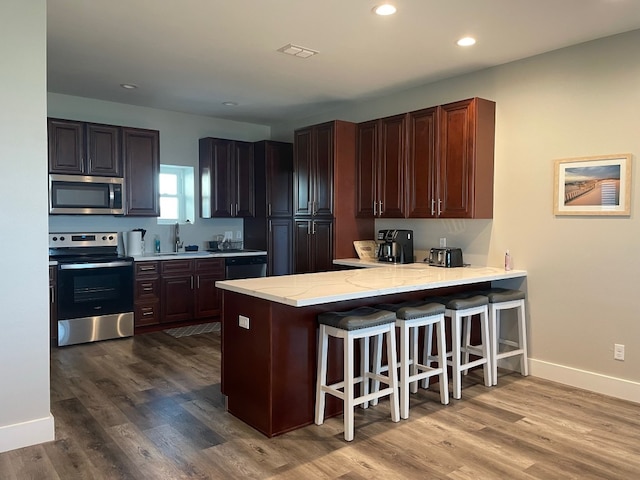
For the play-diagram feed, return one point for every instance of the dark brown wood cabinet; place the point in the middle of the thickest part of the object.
(271, 228)
(141, 153)
(324, 196)
(146, 296)
(226, 178)
(188, 289)
(314, 245)
(381, 166)
(80, 148)
(451, 152)
(53, 306)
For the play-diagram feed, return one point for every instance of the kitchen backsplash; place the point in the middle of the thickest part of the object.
(197, 233)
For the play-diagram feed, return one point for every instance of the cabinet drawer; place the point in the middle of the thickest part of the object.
(147, 313)
(147, 289)
(146, 268)
(176, 266)
(210, 265)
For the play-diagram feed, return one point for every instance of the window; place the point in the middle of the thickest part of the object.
(176, 194)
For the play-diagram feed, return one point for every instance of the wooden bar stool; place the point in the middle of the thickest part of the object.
(501, 299)
(410, 318)
(461, 308)
(362, 323)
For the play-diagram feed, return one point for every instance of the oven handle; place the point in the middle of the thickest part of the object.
(82, 266)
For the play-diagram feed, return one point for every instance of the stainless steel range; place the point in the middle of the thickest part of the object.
(95, 287)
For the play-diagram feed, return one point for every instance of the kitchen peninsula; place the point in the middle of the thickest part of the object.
(269, 332)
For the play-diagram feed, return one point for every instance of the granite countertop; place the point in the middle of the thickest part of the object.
(318, 288)
(198, 254)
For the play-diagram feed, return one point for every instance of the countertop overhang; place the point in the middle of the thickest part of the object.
(307, 289)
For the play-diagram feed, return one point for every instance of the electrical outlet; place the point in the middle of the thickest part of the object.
(238, 235)
(443, 242)
(243, 322)
(618, 351)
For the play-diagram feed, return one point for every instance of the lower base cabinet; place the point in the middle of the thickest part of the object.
(171, 292)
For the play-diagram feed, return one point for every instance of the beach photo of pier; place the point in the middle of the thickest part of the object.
(593, 185)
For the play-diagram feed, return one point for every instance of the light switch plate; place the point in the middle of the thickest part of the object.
(243, 322)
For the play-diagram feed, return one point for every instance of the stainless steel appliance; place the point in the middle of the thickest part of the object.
(395, 246)
(81, 194)
(245, 267)
(445, 257)
(95, 287)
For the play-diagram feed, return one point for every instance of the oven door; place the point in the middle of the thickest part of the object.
(94, 289)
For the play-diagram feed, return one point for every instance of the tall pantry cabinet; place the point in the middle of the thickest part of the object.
(325, 223)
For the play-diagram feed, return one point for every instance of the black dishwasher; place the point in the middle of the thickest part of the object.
(245, 267)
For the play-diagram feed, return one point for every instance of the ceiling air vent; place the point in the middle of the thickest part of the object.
(298, 51)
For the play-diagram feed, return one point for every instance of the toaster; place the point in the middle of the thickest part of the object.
(445, 257)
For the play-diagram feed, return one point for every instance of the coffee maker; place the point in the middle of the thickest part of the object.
(395, 246)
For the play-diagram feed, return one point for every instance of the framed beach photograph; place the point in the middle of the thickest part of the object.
(593, 185)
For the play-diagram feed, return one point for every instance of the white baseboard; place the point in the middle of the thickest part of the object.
(28, 433)
(594, 382)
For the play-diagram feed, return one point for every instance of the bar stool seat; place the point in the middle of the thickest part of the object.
(461, 308)
(501, 299)
(362, 323)
(410, 318)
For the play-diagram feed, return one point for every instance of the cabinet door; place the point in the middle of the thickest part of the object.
(302, 166)
(303, 263)
(391, 173)
(177, 298)
(323, 170)
(66, 146)
(208, 299)
(322, 245)
(456, 160)
(216, 177)
(280, 246)
(103, 146)
(422, 162)
(366, 162)
(53, 305)
(279, 179)
(142, 165)
(243, 194)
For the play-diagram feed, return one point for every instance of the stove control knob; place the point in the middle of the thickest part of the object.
(110, 237)
(55, 239)
(62, 239)
(104, 237)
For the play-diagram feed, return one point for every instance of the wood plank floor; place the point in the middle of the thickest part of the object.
(150, 407)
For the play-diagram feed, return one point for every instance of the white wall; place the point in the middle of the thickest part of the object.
(25, 417)
(583, 272)
(179, 134)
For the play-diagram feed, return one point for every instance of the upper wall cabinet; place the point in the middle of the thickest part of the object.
(451, 151)
(226, 178)
(141, 152)
(381, 165)
(80, 148)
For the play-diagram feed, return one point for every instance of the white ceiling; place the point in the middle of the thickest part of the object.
(192, 55)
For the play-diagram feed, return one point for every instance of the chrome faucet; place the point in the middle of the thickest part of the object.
(177, 244)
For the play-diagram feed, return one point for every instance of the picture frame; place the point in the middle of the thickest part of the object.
(598, 185)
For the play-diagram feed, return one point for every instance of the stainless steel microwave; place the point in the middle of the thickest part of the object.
(85, 195)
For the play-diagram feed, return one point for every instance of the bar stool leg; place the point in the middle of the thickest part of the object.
(426, 354)
(364, 369)
(486, 349)
(321, 374)
(404, 370)
(348, 388)
(377, 365)
(455, 354)
(442, 362)
(522, 338)
(393, 375)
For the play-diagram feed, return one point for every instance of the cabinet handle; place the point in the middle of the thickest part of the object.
(198, 283)
(308, 228)
(375, 204)
(433, 207)
(314, 204)
(269, 226)
(52, 294)
(146, 269)
(380, 209)
(191, 282)
(269, 209)
(313, 229)
(147, 287)
(439, 207)
(237, 209)
(148, 311)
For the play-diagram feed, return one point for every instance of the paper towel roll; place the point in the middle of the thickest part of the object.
(133, 243)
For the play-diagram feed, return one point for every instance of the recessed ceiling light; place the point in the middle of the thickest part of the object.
(466, 41)
(384, 9)
(297, 51)
(230, 104)
(129, 86)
